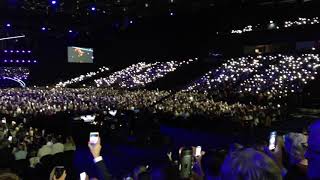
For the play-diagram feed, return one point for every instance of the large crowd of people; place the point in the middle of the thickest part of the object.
(268, 76)
(49, 101)
(30, 151)
(245, 110)
(34, 153)
(188, 105)
(288, 75)
(82, 77)
(140, 74)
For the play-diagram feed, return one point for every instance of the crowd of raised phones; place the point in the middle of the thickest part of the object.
(31, 153)
(265, 76)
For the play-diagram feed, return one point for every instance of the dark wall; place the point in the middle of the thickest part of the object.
(154, 39)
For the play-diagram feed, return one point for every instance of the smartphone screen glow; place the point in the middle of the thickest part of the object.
(198, 151)
(94, 136)
(83, 176)
(272, 140)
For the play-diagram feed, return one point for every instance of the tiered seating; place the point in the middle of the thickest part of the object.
(140, 74)
(269, 75)
(290, 74)
(82, 77)
(230, 73)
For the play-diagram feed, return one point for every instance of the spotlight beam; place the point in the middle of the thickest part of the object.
(12, 37)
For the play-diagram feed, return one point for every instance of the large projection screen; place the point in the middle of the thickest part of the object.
(80, 55)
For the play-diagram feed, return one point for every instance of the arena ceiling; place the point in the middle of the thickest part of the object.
(58, 17)
(138, 7)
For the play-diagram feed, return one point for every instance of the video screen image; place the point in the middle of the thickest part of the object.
(80, 55)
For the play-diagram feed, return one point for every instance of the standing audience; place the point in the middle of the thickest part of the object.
(302, 152)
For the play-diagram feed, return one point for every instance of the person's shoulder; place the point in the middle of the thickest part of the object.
(21, 152)
(46, 147)
(58, 145)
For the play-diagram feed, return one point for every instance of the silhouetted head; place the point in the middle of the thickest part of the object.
(249, 164)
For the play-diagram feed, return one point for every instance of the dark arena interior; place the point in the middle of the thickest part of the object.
(160, 89)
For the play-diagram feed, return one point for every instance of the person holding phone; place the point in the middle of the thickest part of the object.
(58, 173)
(190, 162)
(95, 149)
(274, 150)
(198, 154)
(20, 152)
(84, 176)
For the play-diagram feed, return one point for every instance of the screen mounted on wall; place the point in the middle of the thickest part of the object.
(80, 55)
